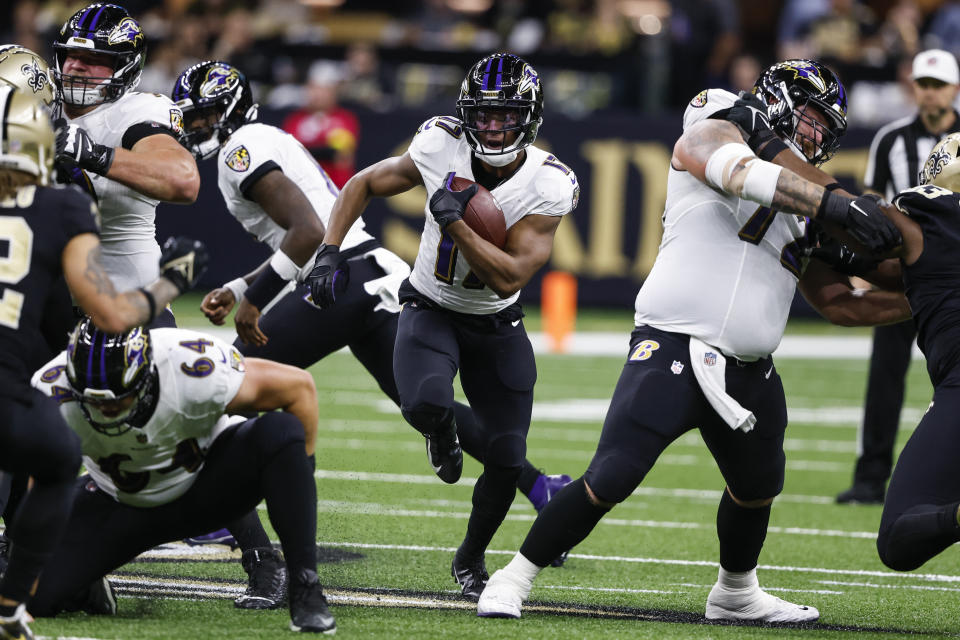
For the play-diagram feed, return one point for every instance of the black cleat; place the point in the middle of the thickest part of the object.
(445, 455)
(308, 606)
(471, 576)
(101, 599)
(267, 579)
(862, 493)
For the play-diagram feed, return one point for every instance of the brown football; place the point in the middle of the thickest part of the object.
(483, 214)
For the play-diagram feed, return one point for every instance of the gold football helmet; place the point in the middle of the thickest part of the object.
(26, 134)
(942, 167)
(22, 68)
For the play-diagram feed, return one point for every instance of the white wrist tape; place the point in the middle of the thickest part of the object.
(284, 266)
(721, 162)
(237, 286)
(760, 183)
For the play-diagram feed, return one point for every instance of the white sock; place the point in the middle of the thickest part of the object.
(738, 579)
(523, 568)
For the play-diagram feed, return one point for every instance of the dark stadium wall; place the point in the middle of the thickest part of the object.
(609, 242)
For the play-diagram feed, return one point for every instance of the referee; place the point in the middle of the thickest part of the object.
(896, 155)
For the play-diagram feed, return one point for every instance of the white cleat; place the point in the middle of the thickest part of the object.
(753, 603)
(503, 596)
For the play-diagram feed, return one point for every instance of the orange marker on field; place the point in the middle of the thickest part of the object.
(558, 300)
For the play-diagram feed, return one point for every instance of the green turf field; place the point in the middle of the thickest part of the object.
(387, 529)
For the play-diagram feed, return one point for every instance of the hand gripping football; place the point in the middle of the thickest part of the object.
(483, 214)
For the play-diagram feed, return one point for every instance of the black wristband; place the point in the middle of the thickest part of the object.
(151, 301)
(771, 149)
(833, 186)
(833, 208)
(265, 288)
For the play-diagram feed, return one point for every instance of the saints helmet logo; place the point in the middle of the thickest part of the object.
(219, 79)
(127, 30)
(936, 163)
(36, 77)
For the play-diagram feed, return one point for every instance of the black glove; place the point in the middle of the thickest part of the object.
(329, 277)
(841, 258)
(75, 146)
(183, 261)
(862, 218)
(447, 206)
(750, 114)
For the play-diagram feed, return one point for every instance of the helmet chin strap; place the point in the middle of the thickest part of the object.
(208, 148)
(497, 159)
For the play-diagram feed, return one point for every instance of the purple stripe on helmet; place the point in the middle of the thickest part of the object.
(499, 74)
(83, 17)
(485, 83)
(103, 362)
(90, 357)
(96, 18)
(450, 177)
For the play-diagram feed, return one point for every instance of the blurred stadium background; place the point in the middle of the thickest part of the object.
(355, 78)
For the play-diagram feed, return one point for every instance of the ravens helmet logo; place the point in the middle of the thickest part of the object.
(220, 79)
(127, 30)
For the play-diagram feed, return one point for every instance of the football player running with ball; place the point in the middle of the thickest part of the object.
(460, 309)
(279, 193)
(735, 235)
(124, 140)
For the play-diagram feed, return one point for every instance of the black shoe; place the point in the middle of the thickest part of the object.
(101, 599)
(267, 579)
(308, 606)
(445, 455)
(471, 576)
(862, 494)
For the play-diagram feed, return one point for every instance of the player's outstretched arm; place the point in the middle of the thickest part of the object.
(158, 167)
(182, 263)
(383, 179)
(832, 295)
(269, 385)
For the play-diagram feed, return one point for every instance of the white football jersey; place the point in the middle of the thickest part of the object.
(727, 268)
(199, 376)
(253, 150)
(543, 186)
(127, 228)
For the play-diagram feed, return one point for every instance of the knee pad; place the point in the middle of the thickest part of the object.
(273, 431)
(614, 480)
(427, 418)
(506, 450)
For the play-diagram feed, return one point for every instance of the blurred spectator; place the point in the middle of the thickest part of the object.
(795, 19)
(744, 71)
(900, 31)
(705, 35)
(845, 35)
(944, 28)
(326, 129)
(169, 58)
(871, 104)
(364, 81)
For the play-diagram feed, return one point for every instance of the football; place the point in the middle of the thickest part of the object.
(483, 213)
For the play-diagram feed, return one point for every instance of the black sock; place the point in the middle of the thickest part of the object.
(22, 571)
(290, 491)
(741, 532)
(528, 476)
(249, 531)
(492, 496)
(565, 522)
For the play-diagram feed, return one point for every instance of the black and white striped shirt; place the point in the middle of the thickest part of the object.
(897, 153)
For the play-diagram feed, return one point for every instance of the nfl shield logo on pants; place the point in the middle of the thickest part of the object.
(676, 367)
